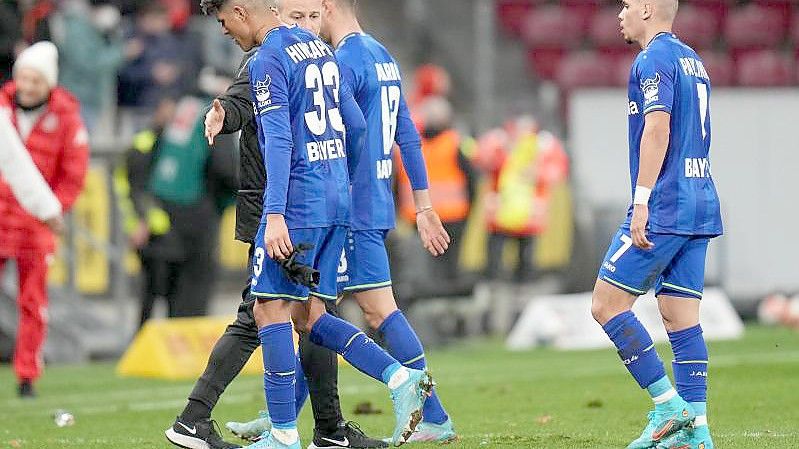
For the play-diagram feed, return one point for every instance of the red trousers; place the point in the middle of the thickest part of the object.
(32, 309)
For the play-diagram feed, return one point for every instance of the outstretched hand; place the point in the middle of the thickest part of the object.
(434, 237)
(214, 120)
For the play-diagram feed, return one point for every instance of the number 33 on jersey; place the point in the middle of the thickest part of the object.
(296, 85)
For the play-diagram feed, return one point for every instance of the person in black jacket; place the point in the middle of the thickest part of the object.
(230, 113)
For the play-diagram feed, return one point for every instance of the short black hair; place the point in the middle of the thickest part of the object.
(211, 6)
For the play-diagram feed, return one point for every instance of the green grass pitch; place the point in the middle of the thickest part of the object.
(535, 399)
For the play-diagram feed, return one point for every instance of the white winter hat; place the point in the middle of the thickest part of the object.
(42, 57)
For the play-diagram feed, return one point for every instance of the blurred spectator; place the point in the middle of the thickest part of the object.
(429, 81)
(10, 37)
(23, 23)
(48, 122)
(523, 164)
(159, 63)
(450, 177)
(35, 19)
(178, 188)
(91, 52)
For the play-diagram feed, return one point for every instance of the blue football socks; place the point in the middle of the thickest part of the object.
(637, 352)
(279, 374)
(690, 366)
(403, 344)
(356, 348)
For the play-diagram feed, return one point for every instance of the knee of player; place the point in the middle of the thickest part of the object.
(374, 314)
(602, 311)
(373, 318)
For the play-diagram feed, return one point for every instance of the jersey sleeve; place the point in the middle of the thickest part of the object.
(656, 81)
(410, 144)
(269, 85)
(355, 124)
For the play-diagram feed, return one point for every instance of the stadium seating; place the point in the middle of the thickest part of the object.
(730, 35)
(795, 30)
(552, 27)
(697, 27)
(720, 67)
(586, 69)
(604, 30)
(755, 27)
(511, 14)
(766, 68)
(545, 61)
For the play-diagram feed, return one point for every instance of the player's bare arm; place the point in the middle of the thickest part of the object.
(654, 143)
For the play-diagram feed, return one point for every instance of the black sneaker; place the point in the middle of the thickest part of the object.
(201, 434)
(26, 390)
(347, 435)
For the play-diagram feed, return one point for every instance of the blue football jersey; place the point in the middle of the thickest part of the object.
(376, 81)
(669, 76)
(295, 84)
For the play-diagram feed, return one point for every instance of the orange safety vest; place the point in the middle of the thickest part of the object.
(447, 182)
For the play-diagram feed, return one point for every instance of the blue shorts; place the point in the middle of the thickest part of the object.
(270, 282)
(675, 266)
(364, 263)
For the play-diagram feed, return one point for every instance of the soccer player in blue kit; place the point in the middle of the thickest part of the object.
(296, 85)
(663, 242)
(376, 82)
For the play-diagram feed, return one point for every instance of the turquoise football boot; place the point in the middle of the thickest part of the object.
(267, 441)
(663, 421)
(688, 438)
(251, 430)
(436, 433)
(408, 399)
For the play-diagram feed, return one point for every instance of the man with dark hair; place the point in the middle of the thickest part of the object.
(230, 113)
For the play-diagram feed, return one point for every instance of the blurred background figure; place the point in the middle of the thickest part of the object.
(159, 63)
(450, 177)
(23, 23)
(522, 164)
(178, 187)
(429, 81)
(90, 48)
(48, 122)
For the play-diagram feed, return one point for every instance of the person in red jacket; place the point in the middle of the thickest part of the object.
(48, 122)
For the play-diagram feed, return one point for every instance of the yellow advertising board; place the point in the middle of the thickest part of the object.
(178, 349)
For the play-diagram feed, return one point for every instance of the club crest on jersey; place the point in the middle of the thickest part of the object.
(262, 93)
(649, 87)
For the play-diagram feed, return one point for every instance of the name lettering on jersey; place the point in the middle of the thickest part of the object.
(633, 108)
(387, 71)
(694, 67)
(650, 88)
(325, 150)
(697, 167)
(385, 167)
(308, 50)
